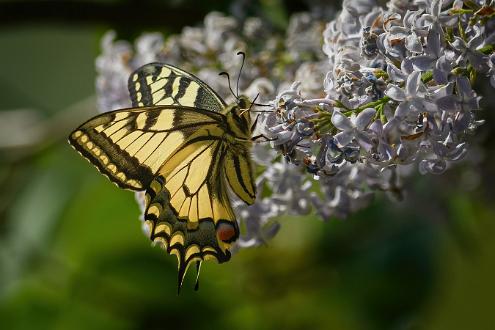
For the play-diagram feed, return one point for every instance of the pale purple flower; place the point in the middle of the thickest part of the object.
(353, 127)
(468, 51)
(413, 98)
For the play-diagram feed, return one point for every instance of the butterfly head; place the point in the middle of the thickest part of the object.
(239, 117)
(243, 102)
(244, 106)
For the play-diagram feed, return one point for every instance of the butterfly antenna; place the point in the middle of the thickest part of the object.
(262, 111)
(223, 73)
(252, 103)
(254, 100)
(301, 146)
(240, 70)
(262, 105)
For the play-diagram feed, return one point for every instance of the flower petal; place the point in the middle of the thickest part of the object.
(433, 42)
(423, 105)
(463, 87)
(434, 166)
(343, 138)
(341, 121)
(364, 118)
(364, 140)
(395, 93)
(394, 73)
(422, 62)
(413, 44)
(402, 110)
(413, 83)
(448, 103)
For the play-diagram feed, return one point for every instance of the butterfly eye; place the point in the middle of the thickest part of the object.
(226, 232)
(242, 103)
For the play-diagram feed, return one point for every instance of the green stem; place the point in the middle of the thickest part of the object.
(487, 50)
(427, 76)
(339, 104)
(472, 5)
(458, 71)
(472, 74)
(373, 104)
(461, 31)
(460, 11)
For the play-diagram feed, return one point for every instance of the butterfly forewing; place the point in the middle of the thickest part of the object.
(164, 84)
(131, 145)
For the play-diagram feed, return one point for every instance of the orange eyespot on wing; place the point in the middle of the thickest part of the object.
(227, 231)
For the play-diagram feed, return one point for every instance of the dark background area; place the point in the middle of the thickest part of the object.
(72, 255)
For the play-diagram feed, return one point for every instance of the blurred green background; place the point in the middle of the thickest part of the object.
(72, 254)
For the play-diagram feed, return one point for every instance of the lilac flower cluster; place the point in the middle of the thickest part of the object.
(398, 92)
(391, 88)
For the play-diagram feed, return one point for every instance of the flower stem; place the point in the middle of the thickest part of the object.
(373, 104)
(487, 50)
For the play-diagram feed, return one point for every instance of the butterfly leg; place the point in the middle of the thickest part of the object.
(254, 124)
(262, 136)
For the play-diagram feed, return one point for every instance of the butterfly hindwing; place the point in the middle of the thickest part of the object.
(165, 84)
(129, 146)
(239, 173)
(188, 204)
(198, 244)
(188, 208)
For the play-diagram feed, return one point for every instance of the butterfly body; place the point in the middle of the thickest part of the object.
(187, 150)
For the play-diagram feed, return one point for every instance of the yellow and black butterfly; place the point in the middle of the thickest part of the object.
(184, 146)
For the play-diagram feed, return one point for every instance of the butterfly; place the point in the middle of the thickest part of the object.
(188, 150)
